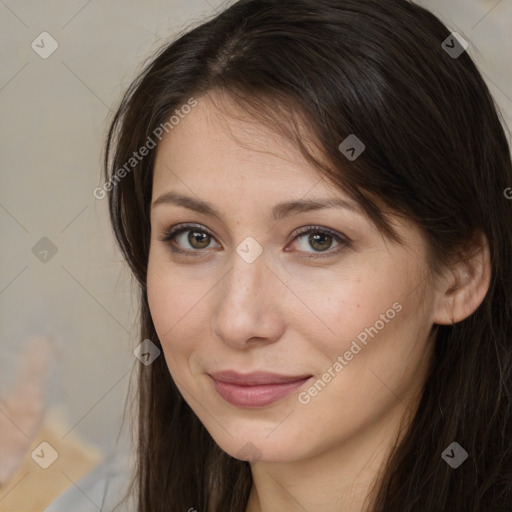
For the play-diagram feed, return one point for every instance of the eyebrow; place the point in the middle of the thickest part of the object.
(279, 211)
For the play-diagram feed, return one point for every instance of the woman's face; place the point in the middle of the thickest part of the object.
(345, 320)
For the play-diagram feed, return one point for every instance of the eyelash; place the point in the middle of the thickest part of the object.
(172, 233)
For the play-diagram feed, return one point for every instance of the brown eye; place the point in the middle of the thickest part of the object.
(188, 239)
(192, 240)
(198, 239)
(320, 241)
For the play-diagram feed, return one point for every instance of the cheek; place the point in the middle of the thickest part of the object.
(379, 343)
(343, 307)
(179, 310)
(168, 306)
(372, 366)
(374, 339)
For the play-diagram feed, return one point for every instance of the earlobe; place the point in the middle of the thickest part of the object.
(466, 285)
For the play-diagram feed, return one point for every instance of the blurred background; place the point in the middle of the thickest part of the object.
(63, 68)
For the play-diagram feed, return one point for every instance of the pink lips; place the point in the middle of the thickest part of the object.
(255, 389)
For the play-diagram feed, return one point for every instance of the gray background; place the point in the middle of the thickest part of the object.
(54, 116)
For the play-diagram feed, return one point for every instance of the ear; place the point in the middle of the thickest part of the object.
(465, 284)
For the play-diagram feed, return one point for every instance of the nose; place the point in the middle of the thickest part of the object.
(249, 305)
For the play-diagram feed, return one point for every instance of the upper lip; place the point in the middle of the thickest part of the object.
(255, 378)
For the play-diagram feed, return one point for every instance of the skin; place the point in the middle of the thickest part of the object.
(291, 315)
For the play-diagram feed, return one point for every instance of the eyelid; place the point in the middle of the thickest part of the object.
(343, 241)
(171, 233)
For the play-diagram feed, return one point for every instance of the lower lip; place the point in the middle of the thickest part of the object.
(255, 396)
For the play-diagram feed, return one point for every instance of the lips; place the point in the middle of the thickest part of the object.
(255, 389)
(255, 378)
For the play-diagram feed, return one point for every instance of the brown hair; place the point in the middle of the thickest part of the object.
(436, 153)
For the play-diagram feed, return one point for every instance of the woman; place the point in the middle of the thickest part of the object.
(311, 197)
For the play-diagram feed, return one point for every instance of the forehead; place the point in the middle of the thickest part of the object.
(219, 142)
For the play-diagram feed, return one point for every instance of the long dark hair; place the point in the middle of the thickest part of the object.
(435, 152)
